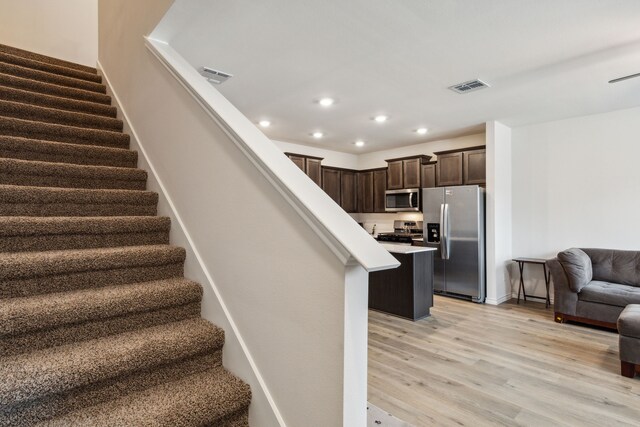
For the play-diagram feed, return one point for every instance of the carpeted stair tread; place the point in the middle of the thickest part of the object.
(31, 85)
(56, 102)
(26, 233)
(18, 200)
(56, 116)
(49, 68)
(29, 413)
(211, 398)
(45, 372)
(45, 77)
(16, 147)
(21, 265)
(47, 174)
(22, 315)
(61, 133)
(44, 58)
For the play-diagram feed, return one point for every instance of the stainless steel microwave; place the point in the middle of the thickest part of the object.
(407, 200)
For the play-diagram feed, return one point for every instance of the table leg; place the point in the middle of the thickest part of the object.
(547, 279)
(521, 286)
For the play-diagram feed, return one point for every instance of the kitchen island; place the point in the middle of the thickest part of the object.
(406, 291)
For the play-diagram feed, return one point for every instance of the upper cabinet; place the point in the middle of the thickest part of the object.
(475, 166)
(461, 167)
(309, 165)
(365, 191)
(331, 183)
(428, 175)
(405, 172)
(379, 187)
(349, 191)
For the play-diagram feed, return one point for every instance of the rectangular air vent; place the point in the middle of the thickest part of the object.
(215, 76)
(469, 86)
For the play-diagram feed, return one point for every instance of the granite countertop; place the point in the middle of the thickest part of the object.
(406, 249)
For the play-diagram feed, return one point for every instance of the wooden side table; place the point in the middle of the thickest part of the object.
(547, 278)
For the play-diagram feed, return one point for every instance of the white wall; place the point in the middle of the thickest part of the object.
(576, 183)
(65, 29)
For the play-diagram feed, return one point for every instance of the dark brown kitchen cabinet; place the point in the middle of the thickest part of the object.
(365, 191)
(309, 165)
(405, 172)
(331, 183)
(428, 173)
(461, 167)
(348, 191)
(411, 173)
(379, 187)
(475, 167)
(394, 175)
(313, 168)
(449, 169)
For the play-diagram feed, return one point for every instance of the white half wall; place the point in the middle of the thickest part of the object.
(65, 29)
(498, 212)
(576, 183)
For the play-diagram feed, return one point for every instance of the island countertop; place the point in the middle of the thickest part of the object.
(406, 249)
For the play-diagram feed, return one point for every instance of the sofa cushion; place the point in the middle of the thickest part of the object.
(612, 265)
(610, 293)
(629, 321)
(577, 266)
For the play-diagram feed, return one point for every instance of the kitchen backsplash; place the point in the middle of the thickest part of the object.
(384, 222)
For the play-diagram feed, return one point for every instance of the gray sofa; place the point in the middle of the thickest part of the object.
(594, 285)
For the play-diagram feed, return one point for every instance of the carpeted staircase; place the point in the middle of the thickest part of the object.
(98, 326)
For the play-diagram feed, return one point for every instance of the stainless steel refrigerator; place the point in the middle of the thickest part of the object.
(454, 224)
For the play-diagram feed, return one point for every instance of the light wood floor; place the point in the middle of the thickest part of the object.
(480, 365)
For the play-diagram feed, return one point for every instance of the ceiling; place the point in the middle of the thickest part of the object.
(544, 60)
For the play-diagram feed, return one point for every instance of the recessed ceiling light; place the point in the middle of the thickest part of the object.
(317, 135)
(380, 119)
(359, 143)
(326, 102)
(422, 131)
(264, 123)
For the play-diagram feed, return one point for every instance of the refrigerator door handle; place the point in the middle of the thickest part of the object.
(443, 249)
(445, 231)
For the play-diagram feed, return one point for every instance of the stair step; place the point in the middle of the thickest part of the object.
(36, 113)
(22, 234)
(42, 201)
(24, 315)
(44, 58)
(43, 76)
(61, 133)
(56, 102)
(48, 67)
(46, 174)
(212, 398)
(33, 273)
(42, 373)
(15, 147)
(53, 89)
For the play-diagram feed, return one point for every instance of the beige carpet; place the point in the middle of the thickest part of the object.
(98, 326)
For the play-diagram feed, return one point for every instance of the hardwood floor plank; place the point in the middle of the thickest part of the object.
(472, 364)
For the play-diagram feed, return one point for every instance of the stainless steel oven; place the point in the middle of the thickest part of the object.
(407, 200)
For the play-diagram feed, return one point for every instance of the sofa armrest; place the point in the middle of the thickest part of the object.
(564, 299)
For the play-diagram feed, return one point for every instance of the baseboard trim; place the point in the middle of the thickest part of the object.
(497, 301)
(177, 221)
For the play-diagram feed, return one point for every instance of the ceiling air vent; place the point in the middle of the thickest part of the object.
(469, 86)
(215, 76)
